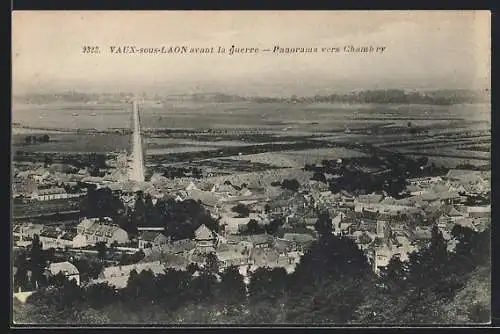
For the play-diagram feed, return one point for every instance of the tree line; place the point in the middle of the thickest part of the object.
(178, 218)
(393, 181)
(37, 139)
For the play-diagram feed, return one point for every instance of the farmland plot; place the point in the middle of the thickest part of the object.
(74, 142)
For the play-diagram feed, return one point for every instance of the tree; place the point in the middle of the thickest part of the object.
(97, 160)
(21, 275)
(127, 259)
(37, 262)
(241, 209)
(45, 138)
(203, 287)
(233, 292)
(139, 213)
(101, 203)
(58, 280)
(153, 217)
(172, 288)
(423, 161)
(267, 284)
(292, 184)
(331, 280)
(47, 160)
(192, 268)
(95, 172)
(197, 174)
(101, 250)
(212, 264)
(91, 316)
(394, 275)
(319, 176)
(141, 287)
(253, 227)
(274, 225)
(324, 224)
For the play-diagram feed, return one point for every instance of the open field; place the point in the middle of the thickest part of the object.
(75, 142)
(475, 147)
(279, 159)
(306, 117)
(179, 149)
(300, 158)
(20, 209)
(72, 116)
(263, 134)
(450, 162)
(225, 166)
(159, 142)
(452, 153)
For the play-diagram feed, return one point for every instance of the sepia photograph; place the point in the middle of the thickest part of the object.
(251, 168)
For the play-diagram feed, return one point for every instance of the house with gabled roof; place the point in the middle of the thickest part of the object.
(263, 257)
(102, 230)
(260, 240)
(191, 186)
(26, 231)
(49, 194)
(67, 269)
(208, 199)
(231, 258)
(206, 240)
(234, 225)
(152, 239)
(118, 276)
(479, 211)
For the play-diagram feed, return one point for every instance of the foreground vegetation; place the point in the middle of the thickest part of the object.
(332, 284)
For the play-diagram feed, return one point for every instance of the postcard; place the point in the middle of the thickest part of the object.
(250, 168)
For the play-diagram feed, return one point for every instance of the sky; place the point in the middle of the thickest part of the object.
(424, 50)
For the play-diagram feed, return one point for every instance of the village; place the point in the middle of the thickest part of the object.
(261, 223)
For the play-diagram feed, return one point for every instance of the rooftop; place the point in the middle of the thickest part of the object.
(230, 255)
(69, 235)
(298, 237)
(205, 197)
(151, 236)
(63, 267)
(51, 191)
(117, 271)
(259, 238)
(370, 198)
(204, 233)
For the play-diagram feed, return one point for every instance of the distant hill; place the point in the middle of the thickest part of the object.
(439, 97)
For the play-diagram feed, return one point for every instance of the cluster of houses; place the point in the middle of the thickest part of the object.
(247, 253)
(88, 232)
(384, 227)
(48, 183)
(65, 268)
(97, 230)
(381, 226)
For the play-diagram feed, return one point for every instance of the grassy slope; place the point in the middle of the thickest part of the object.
(475, 296)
